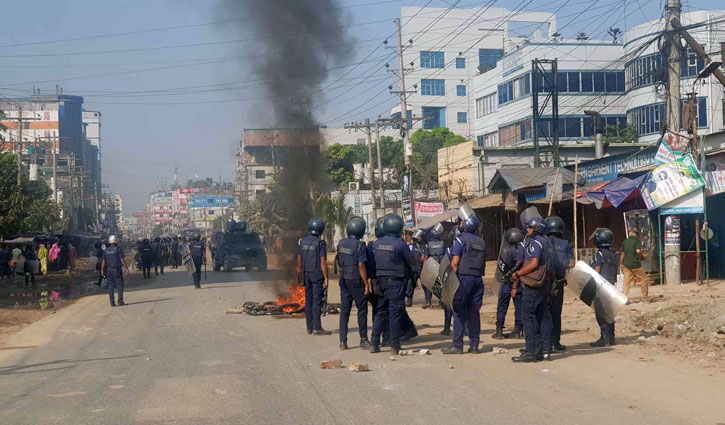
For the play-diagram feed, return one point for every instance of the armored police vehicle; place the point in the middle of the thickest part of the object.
(238, 248)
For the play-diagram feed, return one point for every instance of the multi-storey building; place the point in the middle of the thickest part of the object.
(204, 209)
(447, 48)
(645, 73)
(180, 206)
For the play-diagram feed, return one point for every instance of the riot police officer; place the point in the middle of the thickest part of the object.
(156, 248)
(391, 254)
(312, 261)
(417, 248)
(435, 249)
(147, 258)
(469, 262)
(605, 263)
(111, 267)
(562, 259)
(354, 285)
(535, 314)
(375, 290)
(508, 264)
(197, 250)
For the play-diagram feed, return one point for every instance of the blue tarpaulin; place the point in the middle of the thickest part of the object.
(612, 194)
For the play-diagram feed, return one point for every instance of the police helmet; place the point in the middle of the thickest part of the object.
(393, 225)
(471, 224)
(157, 239)
(355, 228)
(554, 224)
(603, 237)
(112, 239)
(437, 230)
(197, 236)
(419, 233)
(316, 226)
(379, 232)
(538, 224)
(146, 240)
(513, 236)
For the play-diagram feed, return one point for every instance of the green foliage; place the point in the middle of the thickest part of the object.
(198, 184)
(340, 159)
(25, 208)
(425, 144)
(613, 134)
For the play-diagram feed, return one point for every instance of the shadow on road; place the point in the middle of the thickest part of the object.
(11, 370)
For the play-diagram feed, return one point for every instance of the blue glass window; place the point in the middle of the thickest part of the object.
(432, 87)
(573, 81)
(702, 112)
(460, 63)
(462, 117)
(479, 141)
(586, 82)
(611, 81)
(432, 59)
(561, 82)
(488, 57)
(434, 117)
(460, 90)
(598, 81)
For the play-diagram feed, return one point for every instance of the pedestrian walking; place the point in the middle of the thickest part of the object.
(29, 265)
(536, 314)
(43, 258)
(16, 253)
(112, 268)
(631, 265)
(469, 262)
(605, 263)
(391, 256)
(5, 260)
(312, 268)
(72, 255)
(53, 255)
(562, 259)
(354, 285)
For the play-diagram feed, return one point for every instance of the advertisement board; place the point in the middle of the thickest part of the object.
(671, 181)
(427, 209)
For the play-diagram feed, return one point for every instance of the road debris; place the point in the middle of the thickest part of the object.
(411, 352)
(358, 367)
(331, 364)
(498, 350)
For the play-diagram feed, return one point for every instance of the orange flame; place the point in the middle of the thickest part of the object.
(292, 301)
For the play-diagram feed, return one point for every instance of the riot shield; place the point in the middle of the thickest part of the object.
(506, 259)
(528, 214)
(429, 276)
(596, 292)
(448, 281)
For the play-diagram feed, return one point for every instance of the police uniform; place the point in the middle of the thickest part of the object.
(156, 248)
(536, 315)
(196, 250)
(350, 254)
(561, 254)
(608, 262)
(147, 258)
(471, 250)
(114, 272)
(418, 250)
(312, 249)
(391, 256)
(513, 256)
(370, 267)
(435, 249)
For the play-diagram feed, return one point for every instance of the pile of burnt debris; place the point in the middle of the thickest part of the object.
(271, 308)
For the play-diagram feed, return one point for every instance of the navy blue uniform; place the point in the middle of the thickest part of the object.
(196, 250)
(467, 302)
(391, 255)
(312, 249)
(536, 314)
(510, 259)
(418, 250)
(350, 254)
(374, 299)
(608, 262)
(114, 272)
(562, 253)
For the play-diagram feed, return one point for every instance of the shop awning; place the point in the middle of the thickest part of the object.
(486, 201)
(613, 193)
(429, 222)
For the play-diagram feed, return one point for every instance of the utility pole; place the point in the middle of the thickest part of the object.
(380, 165)
(221, 203)
(672, 250)
(367, 129)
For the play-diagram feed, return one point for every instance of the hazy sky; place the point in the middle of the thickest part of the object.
(196, 126)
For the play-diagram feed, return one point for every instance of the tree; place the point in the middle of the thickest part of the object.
(425, 144)
(614, 134)
(582, 36)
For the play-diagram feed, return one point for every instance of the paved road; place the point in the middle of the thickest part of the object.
(173, 356)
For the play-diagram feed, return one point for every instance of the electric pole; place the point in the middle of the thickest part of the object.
(221, 203)
(367, 129)
(380, 165)
(672, 249)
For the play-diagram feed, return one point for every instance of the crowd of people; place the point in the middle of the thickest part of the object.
(532, 267)
(25, 261)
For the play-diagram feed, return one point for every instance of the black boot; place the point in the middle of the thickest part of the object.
(498, 334)
(374, 348)
(446, 332)
(452, 350)
(601, 342)
(558, 347)
(321, 332)
(365, 344)
(516, 333)
(343, 345)
(524, 358)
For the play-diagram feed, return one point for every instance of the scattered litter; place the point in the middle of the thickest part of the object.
(498, 350)
(392, 358)
(420, 352)
(148, 359)
(711, 355)
(332, 364)
(358, 367)
(450, 366)
(424, 352)
(545, 370)
(235, 311)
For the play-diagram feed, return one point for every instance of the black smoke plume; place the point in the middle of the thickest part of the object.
(300, 40)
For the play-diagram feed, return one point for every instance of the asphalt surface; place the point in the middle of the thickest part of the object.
(172, 355)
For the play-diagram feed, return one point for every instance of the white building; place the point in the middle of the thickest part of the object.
(645, 108)
(449, 48)
(344, 136)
